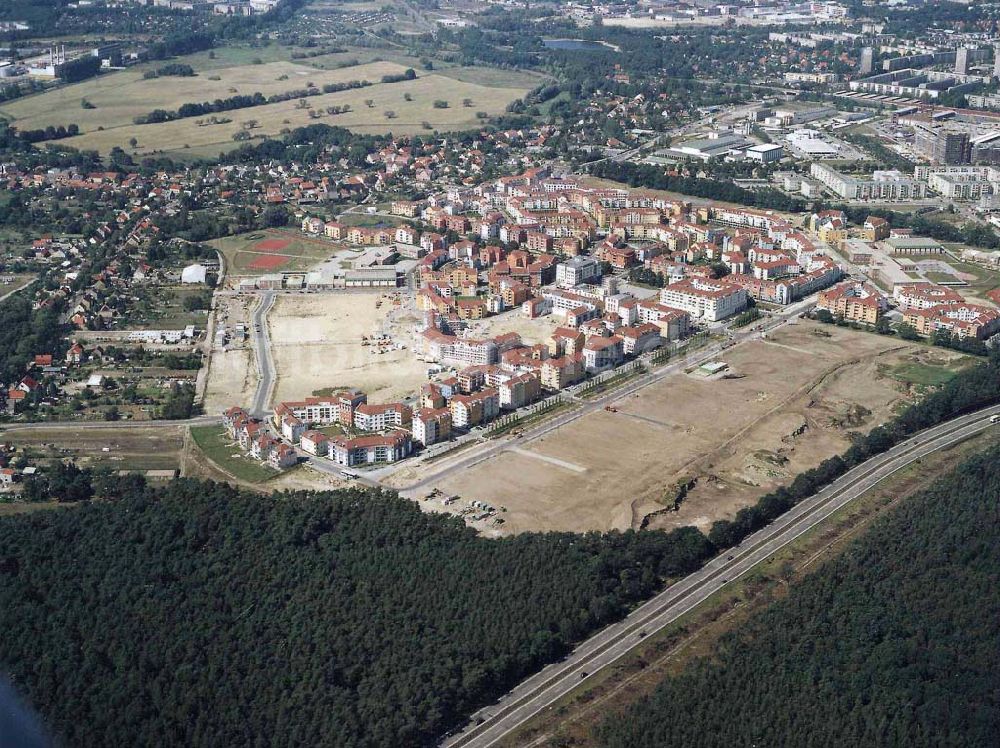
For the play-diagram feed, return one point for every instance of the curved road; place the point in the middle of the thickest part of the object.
(542, 690)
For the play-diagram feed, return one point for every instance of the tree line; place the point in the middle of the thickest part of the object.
(654, 177)
(895, 642)
(242, 101)
(347, 618)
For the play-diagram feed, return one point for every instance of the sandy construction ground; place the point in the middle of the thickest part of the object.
(792, 402)
(537, 330)
(232, 374)
(316, 340)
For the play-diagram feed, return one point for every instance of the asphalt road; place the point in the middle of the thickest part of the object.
(542, 690)
(262, 350)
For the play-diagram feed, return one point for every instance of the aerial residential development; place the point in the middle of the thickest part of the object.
(480, 374)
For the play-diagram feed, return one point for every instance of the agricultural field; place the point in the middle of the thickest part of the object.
(153, 447)
(120, 97)
(260, 252)
(789, 402)
(317, 342)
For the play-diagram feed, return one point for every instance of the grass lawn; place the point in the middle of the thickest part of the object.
(215, 444)
(935, 277)
(367, 221)
(922, 374)
(271, 251)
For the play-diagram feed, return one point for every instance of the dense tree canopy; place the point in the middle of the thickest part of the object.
(202, 616)
(897, 642)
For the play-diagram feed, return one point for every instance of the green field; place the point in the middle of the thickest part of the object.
(217, 447)
(242, 251)
(118, 98)
(926, 374)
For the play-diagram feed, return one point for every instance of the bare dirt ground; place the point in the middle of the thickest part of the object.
(317, 345)
(537, 330)
(232, 374)
(791, 402)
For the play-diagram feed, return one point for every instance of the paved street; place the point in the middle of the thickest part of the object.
(262, 353)
(541, 691)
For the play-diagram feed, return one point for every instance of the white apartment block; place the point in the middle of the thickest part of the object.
(882, 185)
(578, 270)
(381, 417)
(710, 300)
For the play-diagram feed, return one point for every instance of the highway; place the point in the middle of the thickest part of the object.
(262, 350)
(541, 691)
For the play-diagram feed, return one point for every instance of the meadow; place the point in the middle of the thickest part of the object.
(113, 101)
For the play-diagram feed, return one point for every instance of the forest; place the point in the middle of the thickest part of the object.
(896, 642)
(197, 615)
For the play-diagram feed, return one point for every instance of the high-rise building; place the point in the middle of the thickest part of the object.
(962, 61)
(996, 61)
(867, 66)
(941, 146)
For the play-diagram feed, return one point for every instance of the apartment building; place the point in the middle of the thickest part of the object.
(964, 320)
(600, 354)
(520, 390)
(924, 296)
(315, 443)
(368, 450)
(578, 270)
(710, 300)
(854, 301)
(559, 373)
(338, 408)
(463, 351)
(381, 417)
(640, 339)
(431, 425)
(672, 323)
(882, 185)
(468, 411)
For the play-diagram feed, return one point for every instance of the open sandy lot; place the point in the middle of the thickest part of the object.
(316, 340)
(232, 373)
(793, 402)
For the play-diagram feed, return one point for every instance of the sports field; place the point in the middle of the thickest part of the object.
(273, 250)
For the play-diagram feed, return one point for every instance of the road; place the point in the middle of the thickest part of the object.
(541, 691)
(262, 349)
(492, 448)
